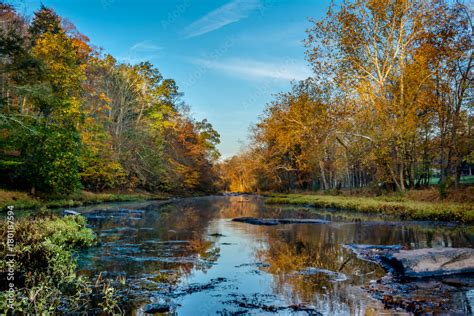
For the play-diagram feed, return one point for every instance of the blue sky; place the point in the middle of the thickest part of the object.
(228, 57)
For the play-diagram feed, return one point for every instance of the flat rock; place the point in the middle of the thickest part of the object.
(257, 221)
(70, 212)
(302, 221)
(425, 262)
(156, 308)
(428, 262)
(278, 221)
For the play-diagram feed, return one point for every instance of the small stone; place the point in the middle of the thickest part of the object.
(156, 308)
(70, 212)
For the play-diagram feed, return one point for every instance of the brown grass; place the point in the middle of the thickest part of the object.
(391, 205)
(21, 200)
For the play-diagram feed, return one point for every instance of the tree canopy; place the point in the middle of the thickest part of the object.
(389, 103)
(72, 117)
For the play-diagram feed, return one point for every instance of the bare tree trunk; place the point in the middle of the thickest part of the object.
(323, 175)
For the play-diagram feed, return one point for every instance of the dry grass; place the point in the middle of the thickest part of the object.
(17, 199)
(464, 194)
(392, 205)
(21, 200)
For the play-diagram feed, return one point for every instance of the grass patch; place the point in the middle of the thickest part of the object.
(45, 277)
(399, 206)
(21, 200)
(44, 267)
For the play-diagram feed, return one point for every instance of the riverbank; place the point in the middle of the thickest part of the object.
(400, 206)
(44, 263)
(22, 200)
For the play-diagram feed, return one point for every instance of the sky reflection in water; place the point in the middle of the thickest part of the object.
(192, 242)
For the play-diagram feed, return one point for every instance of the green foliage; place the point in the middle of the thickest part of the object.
(109, 303)
(442, 188)
(45, 276)
(99, 166)
(51, 159)
(71, 117)
(21, 200)
(45, 21)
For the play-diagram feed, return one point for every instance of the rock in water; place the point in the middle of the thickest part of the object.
(428, 262)
(302, 221)
(156, 308)
(70, 212)
(277, 221)
(257, 221)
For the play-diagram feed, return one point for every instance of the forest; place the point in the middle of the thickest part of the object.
(389, 105)
(73, 117)
(353, 194)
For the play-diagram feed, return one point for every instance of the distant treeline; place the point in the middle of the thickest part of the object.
(72, 117)
(389, 102)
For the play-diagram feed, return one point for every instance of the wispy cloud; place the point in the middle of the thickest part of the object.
(229, 13)
(285, 69)
(141, 51)
(145, 46)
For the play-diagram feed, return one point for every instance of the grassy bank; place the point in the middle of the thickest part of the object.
(400, 206)
(44, 268)
(22, 200)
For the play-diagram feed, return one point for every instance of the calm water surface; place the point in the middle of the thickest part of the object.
(190, 254)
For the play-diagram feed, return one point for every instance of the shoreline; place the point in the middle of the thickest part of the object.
(404, 208)
(23, 201)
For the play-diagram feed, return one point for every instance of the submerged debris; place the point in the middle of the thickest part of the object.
(421, 296)
(266, 303)
(425, 262)
(416, 280)
(334, 276)
(197, 287)
(373, 253)
(156, 308)
(254, 264)
(216, 235)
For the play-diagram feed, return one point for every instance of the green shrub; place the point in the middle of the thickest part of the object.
(50, 158)
(45, 270)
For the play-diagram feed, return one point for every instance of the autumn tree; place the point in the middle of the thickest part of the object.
(378, 53)
(73, 117)
(389, 102)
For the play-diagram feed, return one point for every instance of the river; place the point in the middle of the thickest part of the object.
(190, 255)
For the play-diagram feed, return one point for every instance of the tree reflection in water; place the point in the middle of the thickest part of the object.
(192, 242)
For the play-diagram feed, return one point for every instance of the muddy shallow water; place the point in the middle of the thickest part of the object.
(190, 256)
